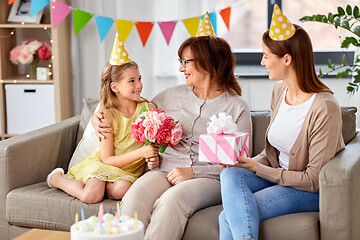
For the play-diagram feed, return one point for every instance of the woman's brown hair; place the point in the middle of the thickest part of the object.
(299, 47)
(214, 55)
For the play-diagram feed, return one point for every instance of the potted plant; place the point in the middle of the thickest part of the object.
(348, 19)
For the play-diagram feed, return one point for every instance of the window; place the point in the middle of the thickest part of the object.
(250, 19)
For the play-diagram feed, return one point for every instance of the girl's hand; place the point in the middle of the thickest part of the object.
(178, 175)
(153, 162)
(150, 151)
(99, 126)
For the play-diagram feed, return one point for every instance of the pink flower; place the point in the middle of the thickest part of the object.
(137, 132)
(15, 54)
(26, 51)
(150, 132)
(164, 135)
(176, 133)
(156, 127)
(44, 53)
(26, 58)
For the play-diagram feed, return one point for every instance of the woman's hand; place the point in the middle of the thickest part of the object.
(247, 163)
(99, 126)
(150, 151)
(178, 175)
(153, 162)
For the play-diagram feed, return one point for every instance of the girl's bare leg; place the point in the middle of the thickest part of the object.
(117, 189)
(91, 192)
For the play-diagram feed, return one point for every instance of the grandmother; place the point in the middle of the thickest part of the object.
(167, 197)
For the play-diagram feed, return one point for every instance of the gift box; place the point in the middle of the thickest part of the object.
(223, 148)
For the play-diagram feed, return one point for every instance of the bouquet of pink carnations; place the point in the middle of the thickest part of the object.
(156, 127)
(30, 51)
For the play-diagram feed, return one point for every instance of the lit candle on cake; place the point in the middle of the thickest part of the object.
(76, 221)
(82, 214)
(101, 212)
(136, 220)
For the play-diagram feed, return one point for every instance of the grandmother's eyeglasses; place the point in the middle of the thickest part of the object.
(185, 62)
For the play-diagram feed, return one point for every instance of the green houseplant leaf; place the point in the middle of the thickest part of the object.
(348, 19)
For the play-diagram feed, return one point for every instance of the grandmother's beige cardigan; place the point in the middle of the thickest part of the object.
(320, 138)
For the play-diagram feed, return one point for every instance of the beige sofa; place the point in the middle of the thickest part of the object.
(27, 202)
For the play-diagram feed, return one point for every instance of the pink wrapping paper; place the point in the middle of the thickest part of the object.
(223, 148)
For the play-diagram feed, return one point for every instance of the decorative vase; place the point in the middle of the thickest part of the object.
(33, 67)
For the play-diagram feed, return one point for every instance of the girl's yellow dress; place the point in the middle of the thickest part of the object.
(93, 167)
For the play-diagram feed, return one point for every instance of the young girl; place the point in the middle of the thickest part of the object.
(119, 161)
(304, 133)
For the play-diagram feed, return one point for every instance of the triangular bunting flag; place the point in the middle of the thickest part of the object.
(11, 2)
(59, 11)
(81, 18)
(37, 5)
(225, 14)
(103, 24)
(192, 25)
(167, 29)
(124, 28)
(213, 21)
(144, 29)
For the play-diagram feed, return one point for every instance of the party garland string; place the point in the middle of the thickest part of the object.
(61, 10)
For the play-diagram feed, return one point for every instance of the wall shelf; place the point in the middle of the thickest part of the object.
(12, 34)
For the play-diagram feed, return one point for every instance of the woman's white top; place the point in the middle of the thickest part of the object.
(286, 127)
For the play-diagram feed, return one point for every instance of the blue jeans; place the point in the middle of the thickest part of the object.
(248, 199)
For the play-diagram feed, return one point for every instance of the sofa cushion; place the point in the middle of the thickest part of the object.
(349, 123)
(204, 225)
(86, 113)
(260, 121)
(88, 142)
(45, 208)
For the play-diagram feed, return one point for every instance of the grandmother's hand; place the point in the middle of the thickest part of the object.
(178, 175)
(99, 126)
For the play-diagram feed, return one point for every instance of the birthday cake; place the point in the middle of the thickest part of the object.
(107, 227)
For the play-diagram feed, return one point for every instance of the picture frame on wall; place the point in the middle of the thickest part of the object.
(20, 12)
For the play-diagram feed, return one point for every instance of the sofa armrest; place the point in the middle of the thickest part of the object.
(340, 194)
(28, 158)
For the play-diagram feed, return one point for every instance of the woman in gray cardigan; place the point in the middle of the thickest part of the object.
(165, 198)
(303, 135)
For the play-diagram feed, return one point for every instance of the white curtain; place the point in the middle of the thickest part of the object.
(157, 61)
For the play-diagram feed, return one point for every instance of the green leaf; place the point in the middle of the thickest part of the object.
(147, 142)
(357, 79)
(345, 23)
(356, 12)
(329, 63)
(143, 109)
(349, 40)
(350, 89)
(162, 148)
(320, 72)
(348, 10)
(337, 21)
(341, 11)
(356, 30)
(331, 17)
(307, 18)
(343, 60)
(341, 74)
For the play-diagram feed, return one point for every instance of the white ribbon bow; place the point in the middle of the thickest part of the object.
(223, 124)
